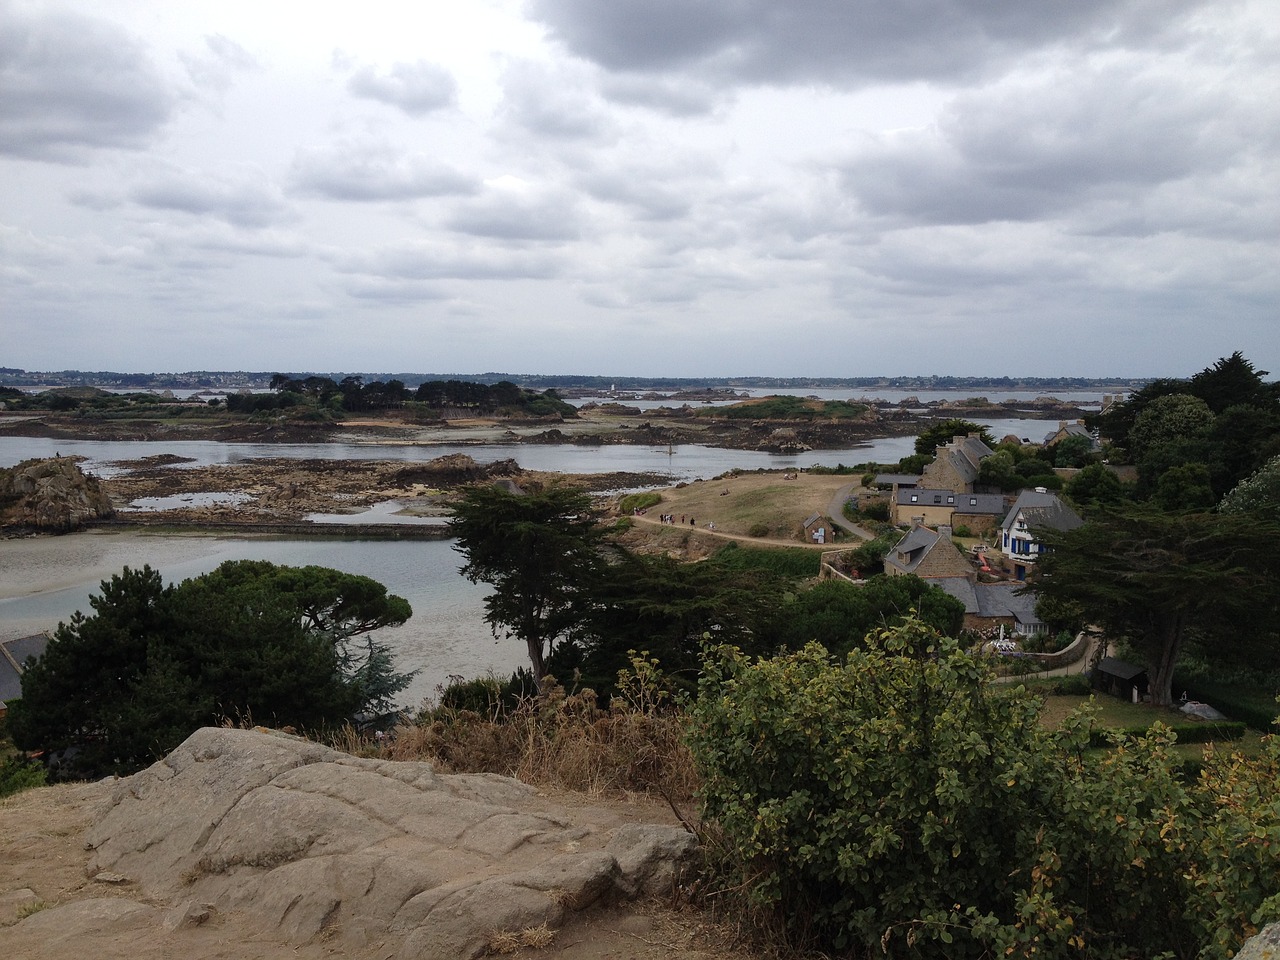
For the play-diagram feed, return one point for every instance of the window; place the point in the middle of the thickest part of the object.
(914, 498)
(973, 501)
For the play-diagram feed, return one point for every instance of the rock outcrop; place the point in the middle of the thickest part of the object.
(51, 495)
(314, 843)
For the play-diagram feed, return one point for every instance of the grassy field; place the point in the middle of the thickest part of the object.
(1114, 712)
(758, 505)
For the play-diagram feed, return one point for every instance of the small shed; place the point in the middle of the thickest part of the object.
(817, 529)
(1128, 681)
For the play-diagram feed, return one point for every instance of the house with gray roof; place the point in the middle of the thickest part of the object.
(977, 511)
(1071, 428)
(988, 605)
(1033, 508)
(926, 553)
(955, 464)
(14, 654)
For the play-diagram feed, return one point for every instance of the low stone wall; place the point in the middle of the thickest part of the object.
(1068, 655)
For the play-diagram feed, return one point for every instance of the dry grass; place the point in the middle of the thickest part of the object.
(753, 498)
(559, 740)
(535, 938)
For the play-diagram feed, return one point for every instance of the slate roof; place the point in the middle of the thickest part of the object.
(1041, 509)
(13, 654)
(991, 599)
(967, 503)
(1072, 429)
(901, 479)
(1121, 670)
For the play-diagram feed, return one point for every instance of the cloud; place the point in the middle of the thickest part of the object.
(72, 84)
(674, 96)
(510, 210)
(244, 198)
(375, 172)
(416, 88)
(427, 260)
(213, 69)
(1034, 147)
(553, 104)
(839, 41)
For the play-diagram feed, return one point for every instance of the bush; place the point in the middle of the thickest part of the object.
(639, 501)
(897, 803)
(18, 774)
(561, 739)
(876, 510)
(793, 563)
(758, 530)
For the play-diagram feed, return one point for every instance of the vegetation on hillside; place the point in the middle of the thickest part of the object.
(787, 407)
(120, 688)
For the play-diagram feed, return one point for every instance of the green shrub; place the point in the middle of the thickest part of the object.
(639, 501)
(898, 803)
(876, 510)
(18, 774)
(758, 530)
(794, 563)
(1072, 685)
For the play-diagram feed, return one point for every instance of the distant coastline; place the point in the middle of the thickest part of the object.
(237, 379)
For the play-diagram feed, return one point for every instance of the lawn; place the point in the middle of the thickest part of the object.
(1116, 713)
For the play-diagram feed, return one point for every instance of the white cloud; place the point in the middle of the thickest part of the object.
(367, 171)
(416, 88)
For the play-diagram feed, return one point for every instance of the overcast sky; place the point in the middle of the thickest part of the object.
(645, 187)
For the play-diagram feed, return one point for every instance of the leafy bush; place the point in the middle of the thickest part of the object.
(639, 501)
(795, 563)
(876, 510)
(898, 803)
(18, 774)
(758, 530)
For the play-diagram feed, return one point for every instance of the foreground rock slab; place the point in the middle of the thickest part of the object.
(318, 845)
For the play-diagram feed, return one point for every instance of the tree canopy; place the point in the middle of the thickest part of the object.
(121, 687)
(932, 437)
(538, 550)
(1156, 579)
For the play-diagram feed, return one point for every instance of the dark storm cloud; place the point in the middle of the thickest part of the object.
(416, 88)
(69, 84)
(247, 200)
(363, 172)
(1037, 149)
(836, 41)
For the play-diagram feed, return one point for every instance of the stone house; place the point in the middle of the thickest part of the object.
(955, 464)
(1070, 428)
(817, 529)
(928, 554)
